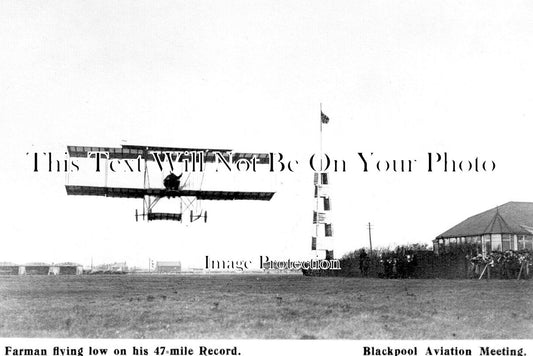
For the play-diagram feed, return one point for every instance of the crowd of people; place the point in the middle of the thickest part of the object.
(508, 264)
(404, 262)
(392, 265)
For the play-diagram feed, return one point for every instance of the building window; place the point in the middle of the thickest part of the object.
(479, 247)
(486, 243)
(525, 242)
(528, 242)
(521, 242)
(496, 242)
(445, 243)
(507, 242)
(441, 245)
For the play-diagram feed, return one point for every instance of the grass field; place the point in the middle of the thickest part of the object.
(263, 306)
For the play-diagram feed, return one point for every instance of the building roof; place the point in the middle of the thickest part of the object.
(510, 218)
(68, 264)
(38, 264)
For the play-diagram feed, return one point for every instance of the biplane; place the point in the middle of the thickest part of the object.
(173, 185)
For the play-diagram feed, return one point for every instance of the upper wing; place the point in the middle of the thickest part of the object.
(147, 152)
(115, 192)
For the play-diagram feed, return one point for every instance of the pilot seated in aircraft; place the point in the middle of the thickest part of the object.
(172, 181)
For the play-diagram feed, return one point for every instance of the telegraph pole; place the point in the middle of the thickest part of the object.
(370, 237)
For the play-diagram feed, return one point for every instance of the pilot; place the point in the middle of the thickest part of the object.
(172, 181)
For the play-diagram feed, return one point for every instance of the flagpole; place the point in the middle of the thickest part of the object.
(319, 185)
(321, 137)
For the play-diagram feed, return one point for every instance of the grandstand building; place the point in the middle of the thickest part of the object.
(506, 227)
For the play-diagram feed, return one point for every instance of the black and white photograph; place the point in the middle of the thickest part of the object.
(250, 173)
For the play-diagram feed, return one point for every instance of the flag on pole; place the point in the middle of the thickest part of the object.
(324, 117)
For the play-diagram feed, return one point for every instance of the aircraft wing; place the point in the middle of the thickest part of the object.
(134, 151)
(115, 192)
(262, 158)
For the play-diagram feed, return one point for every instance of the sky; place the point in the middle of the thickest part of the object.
(397, 79)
